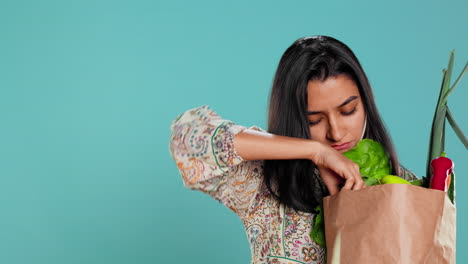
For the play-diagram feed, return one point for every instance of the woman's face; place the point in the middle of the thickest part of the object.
(336, 113)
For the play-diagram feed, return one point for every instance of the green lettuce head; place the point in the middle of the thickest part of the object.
(372, 160)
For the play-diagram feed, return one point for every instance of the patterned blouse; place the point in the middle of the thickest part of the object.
(201, 144)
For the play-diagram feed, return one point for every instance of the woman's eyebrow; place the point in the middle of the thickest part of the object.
(347, 101)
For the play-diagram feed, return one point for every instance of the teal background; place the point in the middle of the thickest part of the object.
(88, 90)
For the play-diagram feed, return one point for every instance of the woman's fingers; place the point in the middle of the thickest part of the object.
(331, 159)
(349, 183)
(353, 178)
(332, 180)
(359, 182)
(333, 189)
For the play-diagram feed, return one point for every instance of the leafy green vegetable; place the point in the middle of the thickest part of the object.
(419, 182)
(318, 229)
(371, 181)
(372, 160)
(451, 190)
(425, 181)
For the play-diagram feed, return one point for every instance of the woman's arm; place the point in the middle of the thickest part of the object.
(257, 145)
(201, 144)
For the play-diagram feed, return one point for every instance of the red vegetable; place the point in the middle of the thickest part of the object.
(441, 169)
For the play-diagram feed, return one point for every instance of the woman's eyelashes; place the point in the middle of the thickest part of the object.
(343, 113)
(350, 112)
(314, 122)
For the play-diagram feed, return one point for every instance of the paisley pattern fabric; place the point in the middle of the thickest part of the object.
(201, 144)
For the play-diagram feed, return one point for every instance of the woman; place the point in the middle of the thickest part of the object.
(321, 105)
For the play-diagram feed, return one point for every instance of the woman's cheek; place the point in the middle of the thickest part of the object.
(357, 123)
(316, 133)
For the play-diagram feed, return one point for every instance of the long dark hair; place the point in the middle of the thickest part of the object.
(297, 183)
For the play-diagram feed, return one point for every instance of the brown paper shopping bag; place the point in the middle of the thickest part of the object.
(390, 223)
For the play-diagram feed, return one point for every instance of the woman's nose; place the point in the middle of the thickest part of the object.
(334, 133)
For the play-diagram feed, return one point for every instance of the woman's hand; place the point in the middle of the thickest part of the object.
(339, 166)
(331, 180)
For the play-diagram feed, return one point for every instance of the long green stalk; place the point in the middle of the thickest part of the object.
(457, 129)
(465, 69)
(437, 138)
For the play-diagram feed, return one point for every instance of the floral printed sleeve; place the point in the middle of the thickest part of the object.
(407, 174)
(201, 144)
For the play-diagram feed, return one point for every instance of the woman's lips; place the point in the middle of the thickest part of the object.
(342, 146)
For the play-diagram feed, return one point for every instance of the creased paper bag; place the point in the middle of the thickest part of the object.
(390, 223)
